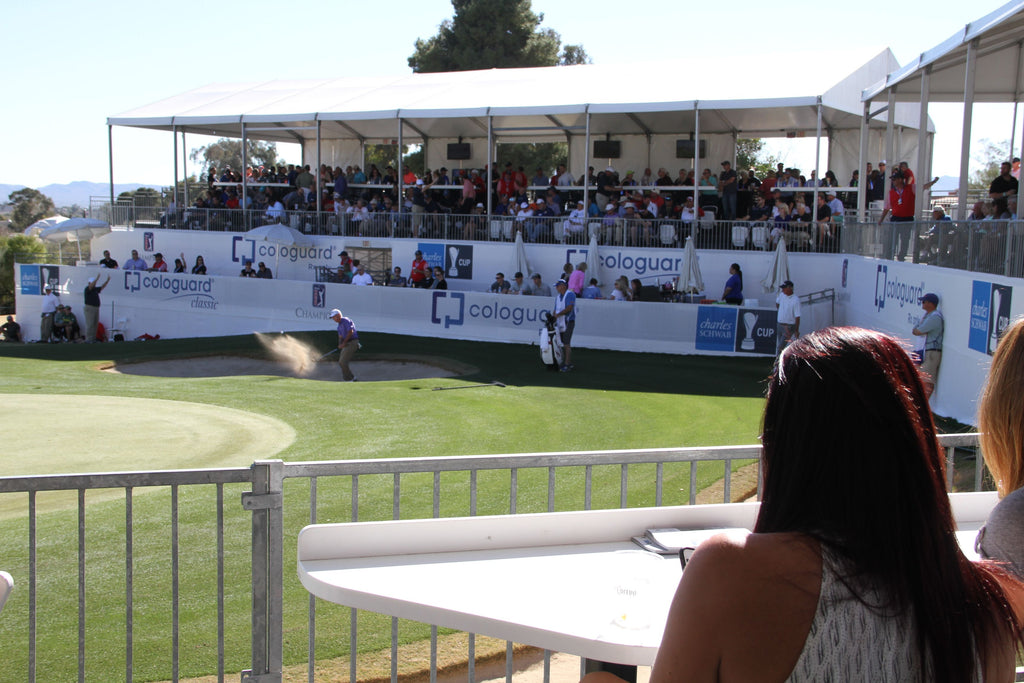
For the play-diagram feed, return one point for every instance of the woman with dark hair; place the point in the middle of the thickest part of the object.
(733, 293)
(853, 572)
(1001, 423)
(200, 267)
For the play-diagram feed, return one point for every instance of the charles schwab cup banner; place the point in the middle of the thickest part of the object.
(990, 315)
(730, 328)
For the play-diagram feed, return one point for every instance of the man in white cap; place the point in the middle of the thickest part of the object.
(577, 219)
(348, 343)
(565, 317)
(92, 307)
(50, 304)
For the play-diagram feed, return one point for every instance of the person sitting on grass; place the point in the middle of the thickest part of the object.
(853, 571)
(11, 330)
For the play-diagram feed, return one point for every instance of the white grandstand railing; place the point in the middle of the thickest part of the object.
(631, 470)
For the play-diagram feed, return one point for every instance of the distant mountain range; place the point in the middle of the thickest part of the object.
(77, 192)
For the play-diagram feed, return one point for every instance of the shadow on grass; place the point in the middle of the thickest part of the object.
(515, 364)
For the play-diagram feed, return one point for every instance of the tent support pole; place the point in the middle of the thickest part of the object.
(319, 190)
(890, 114)
(245, 165)
(1016, 99)
(174, 188)
(970, 67)
(696, 156)
(110, 161)
(586, 171)
(400, 199)
(489, 171)
(817, 163)
(862, 183)
(184, 166)
(922, 147)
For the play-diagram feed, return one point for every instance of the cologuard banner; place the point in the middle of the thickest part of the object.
(185, 305)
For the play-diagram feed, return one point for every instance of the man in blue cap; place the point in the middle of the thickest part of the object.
(931, 328)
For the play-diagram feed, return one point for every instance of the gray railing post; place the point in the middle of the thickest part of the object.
(265, 501)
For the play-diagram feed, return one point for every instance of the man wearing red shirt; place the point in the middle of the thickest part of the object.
(901, 205)
(419, 270)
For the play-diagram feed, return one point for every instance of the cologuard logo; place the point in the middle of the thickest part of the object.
(450, 308)
(245, 249)
(448, 305)
(242, 250)
(199, 291)
(892, 289)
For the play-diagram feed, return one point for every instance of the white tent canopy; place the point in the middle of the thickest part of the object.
(982, 62)
(333, 118)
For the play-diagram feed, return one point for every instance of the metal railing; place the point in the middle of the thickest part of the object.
(354, 490)
(995, 246)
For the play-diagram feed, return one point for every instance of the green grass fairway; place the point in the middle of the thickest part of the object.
(64, 415)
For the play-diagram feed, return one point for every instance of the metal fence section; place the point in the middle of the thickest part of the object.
(989, 246)
(396, 488)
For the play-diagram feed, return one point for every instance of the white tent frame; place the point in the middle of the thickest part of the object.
(576, 104)
(982, 62)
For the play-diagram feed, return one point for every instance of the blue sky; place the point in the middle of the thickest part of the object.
(78, 63)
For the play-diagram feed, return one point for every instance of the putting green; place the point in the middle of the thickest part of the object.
(63, 434)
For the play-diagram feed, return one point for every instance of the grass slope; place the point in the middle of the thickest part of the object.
(614, 400)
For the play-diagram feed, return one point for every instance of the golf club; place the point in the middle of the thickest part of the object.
(326, 354)
(470, 386)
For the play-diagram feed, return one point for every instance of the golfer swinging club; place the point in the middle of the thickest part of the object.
(348, 343)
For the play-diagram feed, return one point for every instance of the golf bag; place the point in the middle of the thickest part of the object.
(550, 343)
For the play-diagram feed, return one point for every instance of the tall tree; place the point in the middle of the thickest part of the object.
(29, 206)
(488, 34)
(24, 249)
(228, 152)
(750, 154)
(987, 163)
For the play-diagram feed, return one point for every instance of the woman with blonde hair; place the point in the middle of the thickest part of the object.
(1001, 423)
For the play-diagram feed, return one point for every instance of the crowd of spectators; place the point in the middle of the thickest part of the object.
(542, 205)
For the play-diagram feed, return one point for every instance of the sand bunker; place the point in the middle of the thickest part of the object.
(369, 370)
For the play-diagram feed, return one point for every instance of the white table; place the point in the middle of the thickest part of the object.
(559, 581)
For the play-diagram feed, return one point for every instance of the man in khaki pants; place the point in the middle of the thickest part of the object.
(348, 343)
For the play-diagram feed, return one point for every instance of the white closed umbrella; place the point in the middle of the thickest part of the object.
(519, 262)
(281, 235)
(593, 261)
(779, 270)
(690, 280)
(75, 230)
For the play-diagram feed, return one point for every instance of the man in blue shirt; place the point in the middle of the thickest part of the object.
(135, 263)
(565, 317)
(348, 343)
(931, 328)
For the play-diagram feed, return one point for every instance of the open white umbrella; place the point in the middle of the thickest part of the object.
(519, 262)
(43, 224)
(593, 261)
(779, 270)
(75, 230)
(281, 235)
(690, 280)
